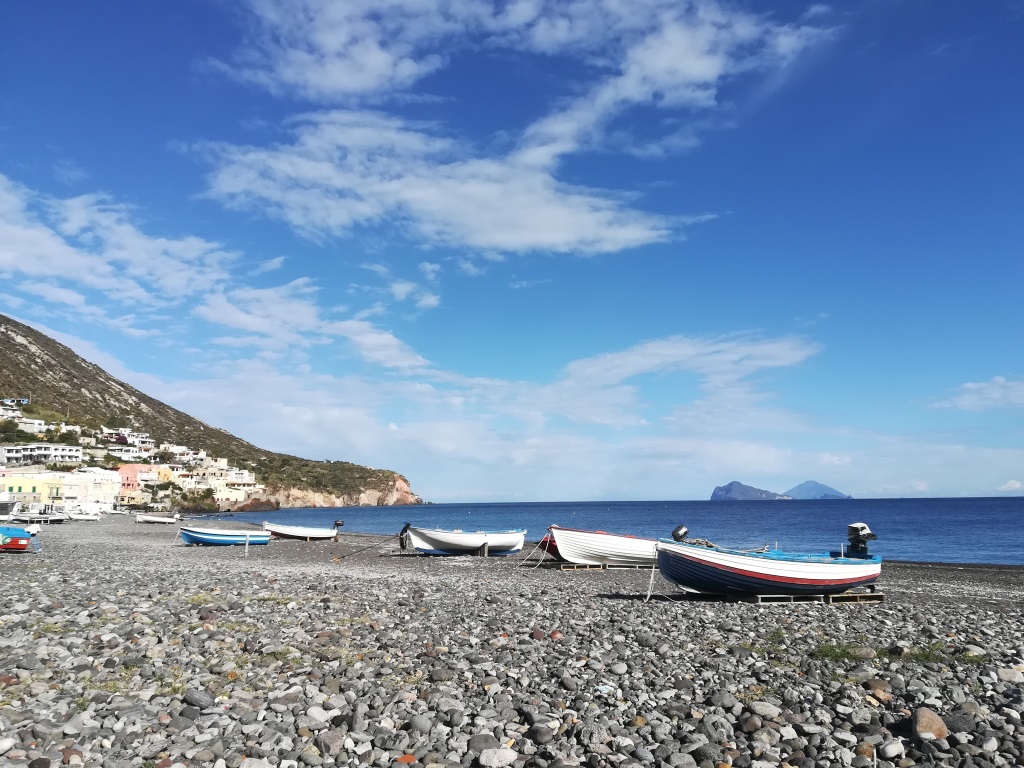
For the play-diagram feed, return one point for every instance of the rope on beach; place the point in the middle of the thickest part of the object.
(650, 584)
(378, 544)
(526, 559)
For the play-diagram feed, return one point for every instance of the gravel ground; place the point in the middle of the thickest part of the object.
(121, 647)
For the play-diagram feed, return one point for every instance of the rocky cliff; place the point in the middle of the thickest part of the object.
(397, 492)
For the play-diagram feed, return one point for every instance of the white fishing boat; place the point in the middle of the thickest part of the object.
(601, 548)
(37, 513)
(165, 519)
(83, 516)
(303, 533)
(438, 541)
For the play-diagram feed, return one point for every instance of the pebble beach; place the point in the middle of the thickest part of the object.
(121, 647)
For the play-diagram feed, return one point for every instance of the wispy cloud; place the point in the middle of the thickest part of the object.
(269, 265)
(998, 392)
(350, 168)
(69, 172)
(91, 243)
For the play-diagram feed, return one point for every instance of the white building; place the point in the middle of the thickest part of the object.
(93, 486)
(33, 426)
(40, 453)
(128, 453)
(183, 454)
(62, 428)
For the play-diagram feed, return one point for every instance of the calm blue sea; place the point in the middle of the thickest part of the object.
(982, 530)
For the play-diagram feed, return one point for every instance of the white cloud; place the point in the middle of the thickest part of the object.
(817, 10)
(377, 345)
(402, 289)
(347, 169)
(1011, 486)
(91, 243)
(54, 293)
(269, 265)
(326, 51)
(427, 300)
(431, 272)
(998, 392)
(283, 315)
(352, 168)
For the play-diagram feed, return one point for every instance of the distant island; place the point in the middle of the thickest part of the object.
(737, 491)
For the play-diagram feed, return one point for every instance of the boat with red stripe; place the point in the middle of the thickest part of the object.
(704, 567)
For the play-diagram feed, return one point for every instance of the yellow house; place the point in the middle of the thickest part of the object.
(34, 487)
(165, 473)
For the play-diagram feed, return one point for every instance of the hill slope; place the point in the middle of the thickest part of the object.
(57, 379)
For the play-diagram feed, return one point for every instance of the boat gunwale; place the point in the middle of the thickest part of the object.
(778, 555)
(602, 533)
(463, 530)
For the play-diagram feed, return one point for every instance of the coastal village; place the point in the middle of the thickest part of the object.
(57, 466)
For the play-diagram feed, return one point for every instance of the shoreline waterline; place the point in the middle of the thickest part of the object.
(965, 531)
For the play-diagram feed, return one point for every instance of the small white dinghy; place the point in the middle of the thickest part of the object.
(166, 519)
(438, 541)
(303, 533)
(602, 548)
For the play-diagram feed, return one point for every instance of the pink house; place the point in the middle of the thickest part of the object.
(130, 480)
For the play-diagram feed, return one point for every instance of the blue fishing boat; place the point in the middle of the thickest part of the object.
(223, 536)
(704, 567)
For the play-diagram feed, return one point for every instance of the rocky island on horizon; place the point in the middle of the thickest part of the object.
(808, 490)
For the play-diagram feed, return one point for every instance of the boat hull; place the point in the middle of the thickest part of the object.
(157, 519)
(14, 539)
(436, 541)
(83, 517)
(223, 536)
(734, 572)
(601, 548)
(300, 533)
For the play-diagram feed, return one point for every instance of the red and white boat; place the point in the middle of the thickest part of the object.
(717, 570)
(602, 548)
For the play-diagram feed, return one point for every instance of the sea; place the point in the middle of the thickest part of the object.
(985, 530)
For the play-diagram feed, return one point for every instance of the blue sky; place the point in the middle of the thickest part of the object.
(532, 250)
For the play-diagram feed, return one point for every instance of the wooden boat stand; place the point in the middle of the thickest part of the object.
(841, 597)
(602, 567)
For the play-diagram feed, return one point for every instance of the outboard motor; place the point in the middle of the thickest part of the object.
(403, 537)
(859, 535)
(680, 533)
